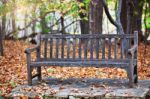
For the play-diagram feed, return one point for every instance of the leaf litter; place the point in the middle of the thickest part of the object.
(13, 71)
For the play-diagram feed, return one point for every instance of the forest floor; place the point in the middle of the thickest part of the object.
(13, 67)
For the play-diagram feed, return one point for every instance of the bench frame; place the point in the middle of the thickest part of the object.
(130, 58)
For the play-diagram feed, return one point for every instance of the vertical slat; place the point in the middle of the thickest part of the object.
(109, 48)
(57, 47)
(116, 48)
(74, 48)
(136, 41)
(79, 48)
(91, 48)
(68, 47)
(51, 48)
(62, 48)
(45, 48)
(97, 48)
(85, 49)
(103, 48)
(127, 47)
(39, 68)
(29, 69)
(135, 37)
(121, 56)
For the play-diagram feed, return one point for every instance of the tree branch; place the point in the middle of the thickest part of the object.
(120, 29)
(108, 14)
(28, 25)
(117, 23)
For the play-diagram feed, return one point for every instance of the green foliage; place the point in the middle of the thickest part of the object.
(13, 84)
(50, 70)
(148, 22)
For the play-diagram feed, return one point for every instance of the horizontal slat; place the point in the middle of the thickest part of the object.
(81, 64)
(88, 36)
(95, 60)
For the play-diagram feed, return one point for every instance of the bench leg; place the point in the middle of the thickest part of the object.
(131, 75)
(29, 72)
(135, 73)
(39, 73)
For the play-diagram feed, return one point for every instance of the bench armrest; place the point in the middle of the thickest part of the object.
(132, 50)
(29, 50)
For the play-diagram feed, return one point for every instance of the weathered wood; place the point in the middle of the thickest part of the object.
(29, 69)
(45, 48)
(91, 48)
(85, 49)
(74, 48)
(62, 48)
(79, 48)
(121, 53)
(68, 47)
(103, 48)
(93, 45)
(115, 48)
(97, 48)
(51, 47)
(85, 36)
(57, 47)
(109, 48)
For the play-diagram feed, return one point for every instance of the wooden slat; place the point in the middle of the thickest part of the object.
(85, 49)
(79, 48)
(121, 46)
(45, 48)
(127, 47)
(88, 59)
(68, 47)
(57, 47)
(136, 42)
(74, 48)
(103, 48)
(115, 48)
(51, 48)
(83, 63)
(97, 48)
(62, 48)
(88, 36)
(109, 48)
(91, 48)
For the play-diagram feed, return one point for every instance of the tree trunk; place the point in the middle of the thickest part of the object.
(1, 43)
(2, 30)
(95, 17)
(136, 23)
(84, 24)
(123, 16)
(14, 23)
(62, 24)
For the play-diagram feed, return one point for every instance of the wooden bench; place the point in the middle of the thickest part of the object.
(85, 50)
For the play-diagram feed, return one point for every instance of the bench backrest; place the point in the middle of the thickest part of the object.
(87, 46)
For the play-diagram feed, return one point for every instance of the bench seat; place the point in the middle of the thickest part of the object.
(84, 63)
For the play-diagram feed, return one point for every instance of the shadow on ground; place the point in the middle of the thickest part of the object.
(80, 88)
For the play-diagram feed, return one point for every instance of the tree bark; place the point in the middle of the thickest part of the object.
(120, 28)
(136, 23)
(84, 24)
(95, 17)
(1, 42)
(62, 24)
(123, 15)
(2, 30)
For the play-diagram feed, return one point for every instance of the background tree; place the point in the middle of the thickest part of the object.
(95, 16)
